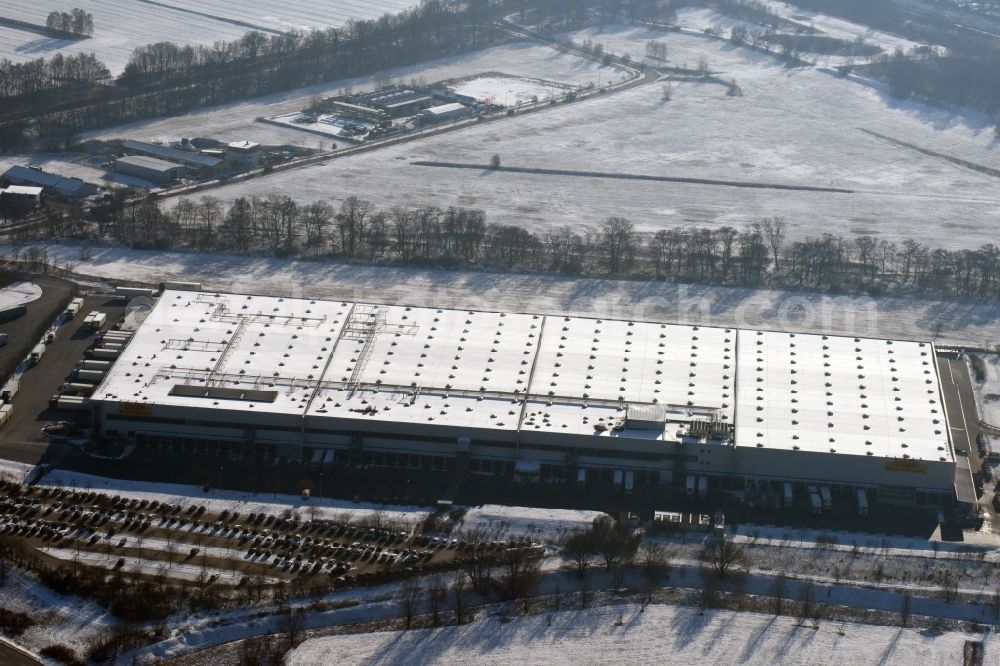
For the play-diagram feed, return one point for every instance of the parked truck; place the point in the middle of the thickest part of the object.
(69, 402)
(6, 411)
(36, 354)
(862, 502)
(91, 376)
(826, 497)
(95, 320)
(815, 503)
(73, 308)
(131, 292)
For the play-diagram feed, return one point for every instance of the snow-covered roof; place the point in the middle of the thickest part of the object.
(529, 373)
(168, 153)
(843, 395)
(451, 107)
(22, 190)
(149, 163)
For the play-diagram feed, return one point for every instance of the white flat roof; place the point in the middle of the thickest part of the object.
(473, 369)
(837, 394)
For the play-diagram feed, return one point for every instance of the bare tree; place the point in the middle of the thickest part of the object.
(436, 596)
(614, 541)
(577, 550)
(618, 244)
(479, 561)
(655, 567)
(774, 232)
(460, 599)
(293, 622)
(778, 590)
(409, 599)
(722, 555)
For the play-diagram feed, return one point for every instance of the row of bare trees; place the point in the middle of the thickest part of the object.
(758, 254)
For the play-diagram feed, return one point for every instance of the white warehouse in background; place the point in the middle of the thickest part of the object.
(533, 397)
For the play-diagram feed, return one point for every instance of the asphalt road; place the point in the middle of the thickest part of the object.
(960, 404)
(13, 656)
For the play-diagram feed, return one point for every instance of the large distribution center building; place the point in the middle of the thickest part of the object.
(533, 397)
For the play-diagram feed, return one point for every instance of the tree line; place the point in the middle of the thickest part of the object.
(758, 254)
(926, 75)
(74, 22)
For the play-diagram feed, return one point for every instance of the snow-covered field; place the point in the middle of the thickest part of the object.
(120, 26)
(956, 322)
(507, 90)
(661, 634)
(839, 28)
(702, 19)
(235, 122)
(988, 391)
(61, 619)
(803, 126)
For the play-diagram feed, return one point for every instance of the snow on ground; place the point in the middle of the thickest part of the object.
(61, 619)
(237, 121)
(838, 28)
(802, 126)
(217, 500)
(988, 390)
(507, 90)
(17, 472)
(701, 19)
(188, 570)
(624, 634)
(120, 26)
(954, 322)
(516, 520)
(18, 294)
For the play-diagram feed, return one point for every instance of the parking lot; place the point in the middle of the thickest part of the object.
(21, 438)
(142, 535)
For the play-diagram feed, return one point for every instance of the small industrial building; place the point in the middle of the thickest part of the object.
(193, 160)
(443, 113)
(535, 398)
(149, 168)
(22, 193)
(53, 185)
(244, 154)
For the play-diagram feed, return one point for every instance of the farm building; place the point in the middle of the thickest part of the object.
(149, 168)
(533, 397)
(53, 185)
(443, 113)
(244, 154)
(189, 158)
